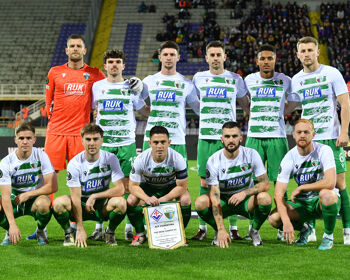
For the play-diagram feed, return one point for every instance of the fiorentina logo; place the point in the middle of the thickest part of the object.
(156, 215)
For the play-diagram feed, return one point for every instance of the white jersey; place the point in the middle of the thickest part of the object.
(218, 95)
(93, 177)
(267, 105)
(317, 92)
(25, 175)
(235, 175)
(159, 175)
(168, 97)
(115, 111)
(307, 169)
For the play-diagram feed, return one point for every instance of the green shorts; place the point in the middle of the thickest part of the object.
(126, 156)
(308, 209)
(151, 191)
(181, 149)
(271, 150)
(338, 152)
(204, 150)
(230, 209)
(97, 215)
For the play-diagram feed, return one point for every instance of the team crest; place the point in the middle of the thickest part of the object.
(123, 92)
(275, 82)
(244, 167)
(63, 75)
(156, 215)
(314, 162)
(86, 76)
(169, 213)
(103, 168)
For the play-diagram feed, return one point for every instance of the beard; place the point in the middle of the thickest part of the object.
(303, 144)
(233, 149)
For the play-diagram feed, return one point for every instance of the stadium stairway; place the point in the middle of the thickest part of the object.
(103, 33)
(315, 20)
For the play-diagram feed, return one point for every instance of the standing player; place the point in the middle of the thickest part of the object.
(266, 131)
(26, 179)
(169, 92)
(115, 103)
(232, 189)
(68, 104)
(219, 90)
(313, 167)
(319, 87)
(89, 174)
(159, 174)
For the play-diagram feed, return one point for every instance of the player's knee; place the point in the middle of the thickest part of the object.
(202, 202)
(118, 204)
(132, 200)
(42, 204)
(328, 197)
(263, 198)
(61, 204)
(185, 199)
(275, 219)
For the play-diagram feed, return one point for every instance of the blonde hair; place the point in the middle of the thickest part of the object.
(307, 39)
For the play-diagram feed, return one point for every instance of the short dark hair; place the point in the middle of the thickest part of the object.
(169, 45)
(266, 47)
(157, 129)
(76, 36)
(215, 44)
(114, 53)
(230, 125)
(25, 127)
(91, 128)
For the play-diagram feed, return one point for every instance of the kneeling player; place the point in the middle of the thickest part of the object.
(159, 174)
(232, 189)
(88, 176)
(26, 179)
(313, 167)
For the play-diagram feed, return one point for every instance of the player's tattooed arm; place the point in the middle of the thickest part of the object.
(263, 185)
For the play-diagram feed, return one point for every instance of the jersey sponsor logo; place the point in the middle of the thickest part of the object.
(24, 179)
(312, 93)
(113, 105)
(156, 215)
(165, 96)
(236, 182)
(266, 92)
(306, 178)
(94, 184)
(220, 93)
(74, 88)
(159, 180)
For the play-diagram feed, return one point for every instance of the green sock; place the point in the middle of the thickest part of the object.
(202, 190)
(329, 214)
(186, 214)
(261, 212)
(115, 219)
(207, 216)
(136, 218)
(63, 219)
(233, 220)
(312, 223)
(127, 221)
(3, 221)
(345, 208)
(43, 219)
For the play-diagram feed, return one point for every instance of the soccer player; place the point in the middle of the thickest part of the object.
(313, 167)
(319, 88)
(232, 189)
(169, 92)
(219, 90)
(159, 174)
(89, 174)
(68, 104)
(115, 100)
(266, 129)
(26, 179)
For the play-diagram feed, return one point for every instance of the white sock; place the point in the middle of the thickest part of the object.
(250, 227)
(233, 227)
(346, 231)
(7, 235)
(73, 226)
(203, 227)
(128, 227)
(329, 236)
(99, 226)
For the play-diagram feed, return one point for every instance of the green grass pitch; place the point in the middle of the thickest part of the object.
(200, 260)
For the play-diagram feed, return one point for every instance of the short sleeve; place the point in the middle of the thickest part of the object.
(73, 176)
(5, 176)
(136, 170)
(46, 165)
(117, 172)
(212, 172)
(327, 158)
(257, 164)
(338, 83)
(241, 88)
(285, 169)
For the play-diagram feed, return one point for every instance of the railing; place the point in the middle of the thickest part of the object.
(22, 91)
